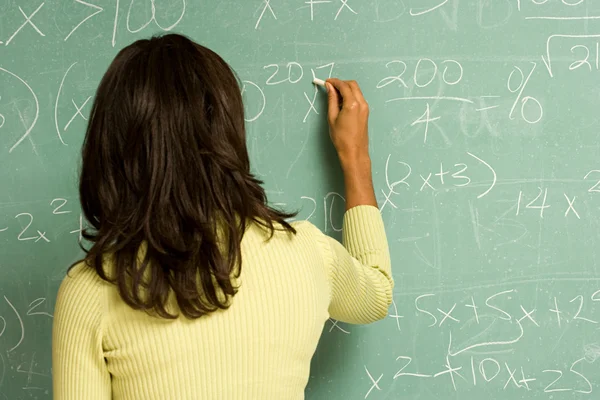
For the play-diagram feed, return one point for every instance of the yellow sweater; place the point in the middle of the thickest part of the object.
(260, 348)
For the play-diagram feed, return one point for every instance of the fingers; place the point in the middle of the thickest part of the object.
(333, 101)
(348, 99)
(344, 95)
(358, 95)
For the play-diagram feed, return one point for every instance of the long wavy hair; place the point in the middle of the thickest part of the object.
(165, 180)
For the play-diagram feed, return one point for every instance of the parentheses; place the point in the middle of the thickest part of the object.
(37, 108)
(264, 99)
(62, 82)
(494, 179)
(20, 323)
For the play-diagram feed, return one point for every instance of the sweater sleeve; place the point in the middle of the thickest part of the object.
(78, 367)
(359, 270)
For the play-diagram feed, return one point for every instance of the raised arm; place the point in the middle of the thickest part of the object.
(360, 269)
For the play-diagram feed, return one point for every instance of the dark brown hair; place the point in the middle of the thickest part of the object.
(165, 180)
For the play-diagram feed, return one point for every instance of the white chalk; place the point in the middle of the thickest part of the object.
(319, 82)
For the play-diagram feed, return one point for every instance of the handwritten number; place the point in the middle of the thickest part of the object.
(270, 80)
(35, 304)
(547, 388)
(580, 298)
(20, 237)
(314, 206)
(57, 211)
(391, 79)
(595, 187)
(582, 62)
(408, 361)
(456, 175)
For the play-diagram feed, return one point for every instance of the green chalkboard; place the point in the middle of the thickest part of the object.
(485, 146)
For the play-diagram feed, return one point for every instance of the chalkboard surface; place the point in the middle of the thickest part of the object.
(485, 146)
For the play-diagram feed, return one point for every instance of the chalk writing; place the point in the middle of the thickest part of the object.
(520, 87)
(37, 109)
(153, 17)
(267, 6)
(28, 22)
(483, 158)
(95, 7)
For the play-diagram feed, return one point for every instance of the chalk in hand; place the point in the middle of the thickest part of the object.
(319, 82)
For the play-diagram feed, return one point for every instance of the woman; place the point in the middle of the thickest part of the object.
(194, 288)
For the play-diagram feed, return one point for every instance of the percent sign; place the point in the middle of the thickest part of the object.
(522, 84)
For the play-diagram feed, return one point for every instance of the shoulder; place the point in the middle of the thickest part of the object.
(306, 227)
(309, 232)
(79, 316)
(306, 234)
(303, 229)
(81, 291)
(81, 277)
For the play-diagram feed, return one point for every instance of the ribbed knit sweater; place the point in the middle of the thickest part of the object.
(259, 348)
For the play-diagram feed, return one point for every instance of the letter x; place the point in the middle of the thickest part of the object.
(27, 21)
(312, 105)
(42, 236)
(267, 6)
(375, 383)
(344, 5)
(77, 112)
(528, 316)
(426, 182)
(570, 207)
(511, 377)
(387, 199)
(448, 315)
(334, 324)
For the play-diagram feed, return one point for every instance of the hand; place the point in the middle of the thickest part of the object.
(348, 126)
(348, 116)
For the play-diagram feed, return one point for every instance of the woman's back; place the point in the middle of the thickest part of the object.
(259, 348)
(194, 287)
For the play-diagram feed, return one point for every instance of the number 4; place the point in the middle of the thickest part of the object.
(425, 119)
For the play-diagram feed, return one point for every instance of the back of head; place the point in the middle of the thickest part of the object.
(165, 168)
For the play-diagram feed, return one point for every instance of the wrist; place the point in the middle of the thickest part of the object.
(360, 161)
(357, 173)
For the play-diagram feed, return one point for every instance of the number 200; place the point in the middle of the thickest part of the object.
(418, 72)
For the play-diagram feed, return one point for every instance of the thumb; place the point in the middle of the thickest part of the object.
(333, 102)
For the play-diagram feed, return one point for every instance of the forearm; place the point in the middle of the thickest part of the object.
(358, 181)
